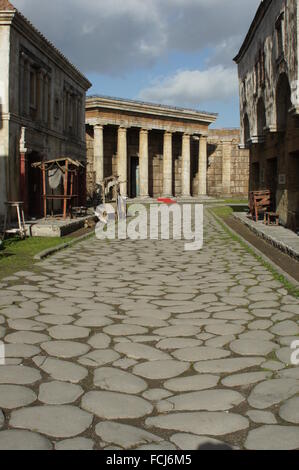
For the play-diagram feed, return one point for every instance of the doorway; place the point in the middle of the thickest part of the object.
(272, 178)
(134, 177)
(34, 187)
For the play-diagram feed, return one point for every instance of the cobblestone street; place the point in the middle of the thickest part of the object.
(142, 345)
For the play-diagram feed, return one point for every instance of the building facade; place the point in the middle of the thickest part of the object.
(269, 106)
(156, 150)
(42, 108)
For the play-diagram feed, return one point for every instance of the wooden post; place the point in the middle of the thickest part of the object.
(71, 192)
(44, 189)
(65, 188)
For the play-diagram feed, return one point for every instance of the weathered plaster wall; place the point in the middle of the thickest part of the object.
(4, 106)
(47, 137)
(274, 149)
(265, 40)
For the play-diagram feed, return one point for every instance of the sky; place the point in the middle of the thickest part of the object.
(176, 52)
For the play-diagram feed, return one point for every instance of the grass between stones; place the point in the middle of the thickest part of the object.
(226, 211)
(18, 255)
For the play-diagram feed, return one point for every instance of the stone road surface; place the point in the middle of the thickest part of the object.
(140, 345)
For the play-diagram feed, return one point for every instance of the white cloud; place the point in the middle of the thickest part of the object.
(116, 36)
(192, 87)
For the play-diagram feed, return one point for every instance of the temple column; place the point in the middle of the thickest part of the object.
(167, 165)
(98, 152)
(186, 161)
(122, 157)
(143, 162)
(202, 166)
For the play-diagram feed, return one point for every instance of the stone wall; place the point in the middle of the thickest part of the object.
(228, 165)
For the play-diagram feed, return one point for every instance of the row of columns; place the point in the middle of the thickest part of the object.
(144, 162)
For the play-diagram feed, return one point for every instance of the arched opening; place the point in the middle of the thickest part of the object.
(261, 117)
(283, 102)
(246, 129)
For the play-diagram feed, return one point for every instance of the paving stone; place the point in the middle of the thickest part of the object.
(206, 298)
(158, 370)
(124, 436)
(211, 423)
(23, 440)
(18, 375)
(260, 325)
(239, 380)
(26, 325)
(190, 383)
(252, 347)
(15, 396)
(111, 405)
(175, 343)
(109, 378)
(93, 321)
(273, 365)
(55, 421)
(261, 417)
(65, 349)
(227, 365)
(270, 393)
(141, 351)
(98, 358)
(208, 400)
(289, 411)
(177, 331)
(186, 441)
(234, 315)
(2, 419)
(63, 370)
(59, 393)
(256, 336)
(273, 438)
(55, 319)
(26, 337)
(145, 321)
(99, 341)
(77, 443)
(68, 332)
(285, 328)
(124, 330)
(156, 394)
(124, 363)
(21, 350)
(285, 355)
(220, 341)
(291, 308)
(223, 330)
(201, 353)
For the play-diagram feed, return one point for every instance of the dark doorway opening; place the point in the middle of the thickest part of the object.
(272, 179)
(34, 187)
(134, 183)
